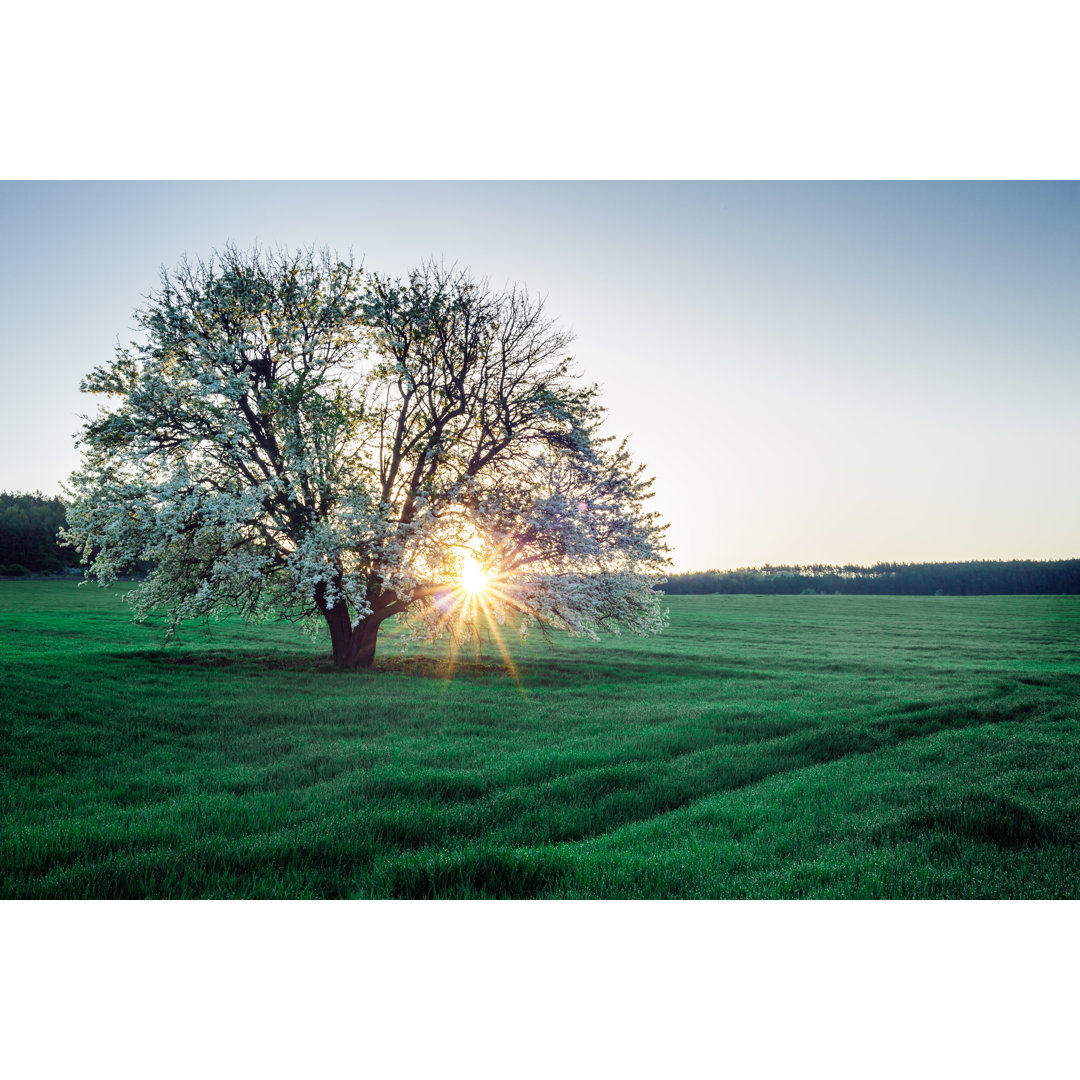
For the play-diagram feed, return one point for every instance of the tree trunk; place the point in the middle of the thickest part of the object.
(362, 644)
(353, 647)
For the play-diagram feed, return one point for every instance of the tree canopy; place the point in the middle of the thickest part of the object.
(294, 436)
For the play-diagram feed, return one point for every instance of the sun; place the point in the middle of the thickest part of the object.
(473, 578)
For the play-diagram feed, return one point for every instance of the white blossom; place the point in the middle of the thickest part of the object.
(292, 437)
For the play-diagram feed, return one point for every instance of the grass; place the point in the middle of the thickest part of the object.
(786, 746)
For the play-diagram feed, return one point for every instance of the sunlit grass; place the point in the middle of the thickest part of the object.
(763, 746)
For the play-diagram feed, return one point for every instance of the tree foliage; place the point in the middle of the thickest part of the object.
(294, 436)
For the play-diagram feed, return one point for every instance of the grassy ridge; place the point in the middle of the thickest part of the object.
(763, 747)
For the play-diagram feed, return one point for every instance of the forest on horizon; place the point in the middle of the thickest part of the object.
(975, 578)
(28, 544)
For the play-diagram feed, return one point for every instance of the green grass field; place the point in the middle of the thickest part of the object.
(787, 746)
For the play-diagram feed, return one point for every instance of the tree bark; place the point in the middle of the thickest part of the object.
(353, 647)
(362, 644)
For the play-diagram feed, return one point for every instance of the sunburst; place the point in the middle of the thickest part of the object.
(473, 578)
(468, 609)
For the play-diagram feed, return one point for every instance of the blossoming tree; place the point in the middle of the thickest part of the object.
(294, 437)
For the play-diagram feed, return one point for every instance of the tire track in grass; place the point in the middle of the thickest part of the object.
(510, 869)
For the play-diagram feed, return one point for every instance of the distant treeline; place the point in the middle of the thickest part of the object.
(28, 544)
(28, 525)
(890, 579)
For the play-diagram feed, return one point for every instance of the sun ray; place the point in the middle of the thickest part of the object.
(496, 636)
(465, 608)
(473, 578)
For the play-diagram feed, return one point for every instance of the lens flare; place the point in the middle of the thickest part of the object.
(473, 579)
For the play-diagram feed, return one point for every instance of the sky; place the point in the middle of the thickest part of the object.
(812, 372)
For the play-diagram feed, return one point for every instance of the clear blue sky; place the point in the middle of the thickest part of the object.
(812, 371)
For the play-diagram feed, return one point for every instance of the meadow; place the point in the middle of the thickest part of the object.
(762, 747)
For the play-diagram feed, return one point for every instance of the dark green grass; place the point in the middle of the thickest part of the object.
(802, 746)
